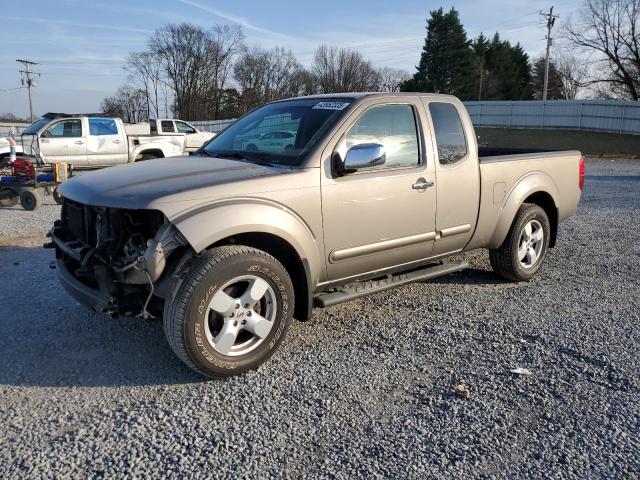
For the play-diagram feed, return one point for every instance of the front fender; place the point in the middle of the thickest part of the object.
(526, 186)
(209, 224)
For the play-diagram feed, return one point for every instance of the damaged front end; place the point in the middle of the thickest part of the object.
(115, 260)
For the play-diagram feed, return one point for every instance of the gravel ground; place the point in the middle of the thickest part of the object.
(364, 389)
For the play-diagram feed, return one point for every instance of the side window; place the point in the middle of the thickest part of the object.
(66, 128)
(167, 126)
(153, 126)
(452, 144)
(102, 126)
(393, 126)
(185, 127)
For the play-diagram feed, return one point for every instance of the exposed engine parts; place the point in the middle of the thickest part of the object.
(121, 253)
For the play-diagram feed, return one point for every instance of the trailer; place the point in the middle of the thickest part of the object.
(25, 181)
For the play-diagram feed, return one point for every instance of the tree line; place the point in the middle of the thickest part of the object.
(598, 55)
(485, 69)
(195, 74)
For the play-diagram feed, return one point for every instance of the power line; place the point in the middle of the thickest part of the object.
(11, 89)
(28, 81)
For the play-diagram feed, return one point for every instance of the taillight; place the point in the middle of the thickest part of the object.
(581, 174)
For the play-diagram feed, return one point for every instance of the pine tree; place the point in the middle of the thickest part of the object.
(554, 89)
(447, 63)
(506, 73)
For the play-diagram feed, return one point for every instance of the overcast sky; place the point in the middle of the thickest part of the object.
(82, 44)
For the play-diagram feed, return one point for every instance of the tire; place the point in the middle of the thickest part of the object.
(9, 197)
(59, 199)
(508, 260)
(30, 200)
(147, 156)
(195, 328)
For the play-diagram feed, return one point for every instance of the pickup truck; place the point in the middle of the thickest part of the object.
(94, 140)
(194, 138)
(229, 245)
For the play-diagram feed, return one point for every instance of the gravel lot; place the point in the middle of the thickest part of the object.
(364, 389)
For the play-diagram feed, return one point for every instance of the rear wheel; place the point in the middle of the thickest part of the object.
(30, 200)
(9, 197)
(521, 254)
(231, 312)
(147, 156)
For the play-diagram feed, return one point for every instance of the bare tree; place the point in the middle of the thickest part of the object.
(572, 72)
(267, 75)
(197, 64)
(128, 103)
(145, 69)
(390, 79)
(610, 31)
(226, 43)
(343, 70)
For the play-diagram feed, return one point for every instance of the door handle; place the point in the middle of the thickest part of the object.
(116, 141)
(79, 142)
(421, 184)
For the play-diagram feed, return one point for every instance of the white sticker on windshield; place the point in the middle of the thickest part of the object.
(330, 106)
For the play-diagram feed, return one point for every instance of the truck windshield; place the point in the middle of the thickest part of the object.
(279, 133)
(36, 126)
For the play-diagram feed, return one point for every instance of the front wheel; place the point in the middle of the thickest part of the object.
(231, 312)
(57, 197)
(521, 254)
(30, 200)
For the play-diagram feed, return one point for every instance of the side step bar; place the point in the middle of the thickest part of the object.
(374, 286)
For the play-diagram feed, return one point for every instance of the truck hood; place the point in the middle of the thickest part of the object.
(153, 182)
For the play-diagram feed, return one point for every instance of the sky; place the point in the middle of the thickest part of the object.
(81, 45)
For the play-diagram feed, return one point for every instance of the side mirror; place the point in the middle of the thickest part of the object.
(363, 156)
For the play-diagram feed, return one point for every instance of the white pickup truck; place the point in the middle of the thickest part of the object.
(94, 140)
(194, 138)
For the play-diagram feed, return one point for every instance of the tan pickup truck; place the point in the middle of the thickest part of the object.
(375, 192)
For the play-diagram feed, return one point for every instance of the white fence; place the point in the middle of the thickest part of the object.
(6, 127)
(212, 125)
(613, 116)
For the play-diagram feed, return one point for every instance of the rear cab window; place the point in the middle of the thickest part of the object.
(102, 126)
(451, 141)
(167, 126)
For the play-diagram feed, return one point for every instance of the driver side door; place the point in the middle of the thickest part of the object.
(64, 141)
(380, 217)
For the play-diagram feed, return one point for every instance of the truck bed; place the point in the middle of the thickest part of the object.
(487, 153)
(501, 170)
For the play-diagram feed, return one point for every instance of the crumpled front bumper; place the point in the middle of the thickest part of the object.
(83, 294)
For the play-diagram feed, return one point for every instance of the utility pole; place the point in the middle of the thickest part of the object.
(551, 20)
(28, 81)
(480, 88)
